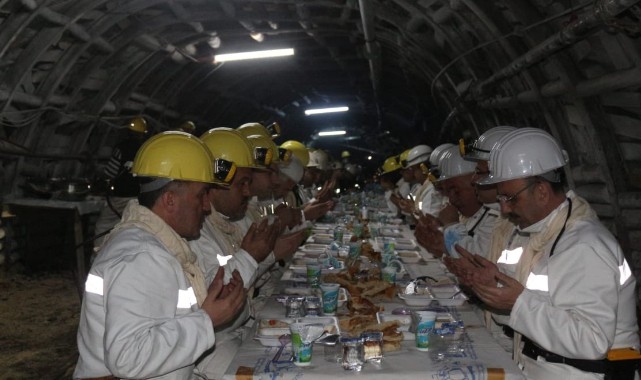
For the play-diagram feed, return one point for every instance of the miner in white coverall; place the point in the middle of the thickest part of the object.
(571, 301)
(147, 311)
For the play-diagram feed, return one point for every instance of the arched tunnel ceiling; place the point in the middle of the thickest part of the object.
(410, 70)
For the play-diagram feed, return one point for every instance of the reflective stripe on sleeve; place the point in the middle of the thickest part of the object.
(510, 257)
(94, 285)
(537, 282)
(222, 260)
(624, 272)
(186, 298)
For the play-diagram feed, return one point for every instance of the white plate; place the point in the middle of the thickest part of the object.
(268, 336)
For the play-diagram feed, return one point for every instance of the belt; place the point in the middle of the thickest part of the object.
(531, 350)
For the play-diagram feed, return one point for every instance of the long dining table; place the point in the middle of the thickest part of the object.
(478, 356)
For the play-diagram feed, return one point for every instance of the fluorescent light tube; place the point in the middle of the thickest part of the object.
(332, 133)
(325, 110)
(253, 55)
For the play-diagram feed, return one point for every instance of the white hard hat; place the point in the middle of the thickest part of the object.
(318, 158)
(437, 154)
(292, 169)
(522, 153)
(418, 154)
(480, 149)
(454, 165)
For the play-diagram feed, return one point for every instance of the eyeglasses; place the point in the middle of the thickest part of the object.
(284, 154)
(501, 198)
(263, 156)
(224, 170)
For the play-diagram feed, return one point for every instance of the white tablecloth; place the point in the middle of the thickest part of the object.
(481, 356)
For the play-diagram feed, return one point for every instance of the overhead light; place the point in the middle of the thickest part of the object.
(332, 133)
(369, 157)
(316, 111)
(253, 55)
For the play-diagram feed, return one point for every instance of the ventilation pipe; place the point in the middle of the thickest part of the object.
(581, 28)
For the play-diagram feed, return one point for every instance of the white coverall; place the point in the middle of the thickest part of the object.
(475, 233)
(428, 199)
(139, 317)
(579, 303)
(212, 243)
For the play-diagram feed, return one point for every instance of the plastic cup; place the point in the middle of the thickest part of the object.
(301, 351)
(389, 244)
(389, 274)
(313, 275)
(330, 297)
(425, 321)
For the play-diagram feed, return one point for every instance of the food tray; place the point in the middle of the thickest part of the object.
(390, 232)
(313, 248)
(416, 299)
(443, 293)
(302, 269)
(403, 244)
(409, 257)
(322, 238)
(406, 322)
(268, 336)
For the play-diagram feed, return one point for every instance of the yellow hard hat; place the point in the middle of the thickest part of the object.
(345, 154)
(391, 164)
(402, 158)
(249, 129)
(262, 141)
(230, 145)
(298, 149)
(137, 124)
(174, 155)
(188, 127)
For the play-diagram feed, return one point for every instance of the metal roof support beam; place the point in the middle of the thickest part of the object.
(373, 51)
(74, 29)
(585, 25)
